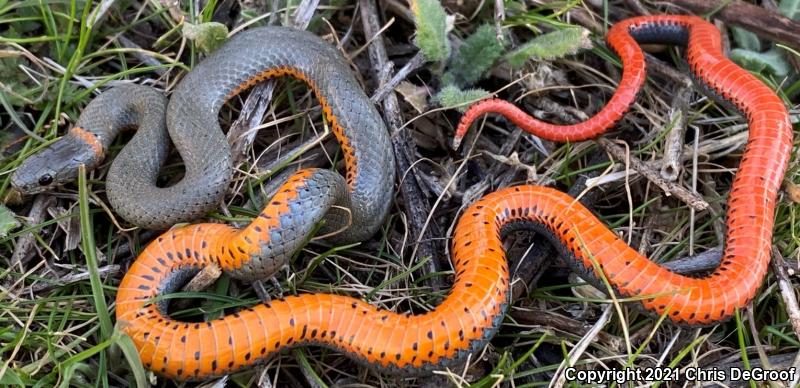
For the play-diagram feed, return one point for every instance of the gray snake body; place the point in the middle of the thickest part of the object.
(191, 122)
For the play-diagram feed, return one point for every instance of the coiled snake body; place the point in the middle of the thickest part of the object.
(475, 306)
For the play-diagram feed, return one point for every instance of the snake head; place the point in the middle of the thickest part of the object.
(54, 165)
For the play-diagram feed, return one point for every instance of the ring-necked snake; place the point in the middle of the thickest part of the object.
(190, 120)
(475, 306)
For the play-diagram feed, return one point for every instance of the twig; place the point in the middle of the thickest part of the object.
(581, 346)
(146, 59)
(111, 269)
(647, 230)
(534, 316)
(69, 225)
(714, 208)
(274, 6)
(400, 9)
(673, 144)
(787, 291)
(204, 279)
(762, 22)
(404, 148)
(499, 18)
(661, 67)
(637, 7)
(669, 188)
(583, 17)
(303, 14)
(25, 243)
(415, 63)
(762, 354)
(174, 8)
(241, 133)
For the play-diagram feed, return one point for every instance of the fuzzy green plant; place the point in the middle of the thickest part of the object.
(7, 221)
(551, 45)
(745, 39)
(750, 54)
(12, 81)
(431, 37)
(206, 36)
(452, 96)
(771, 61)
(790, 8)
(474, 58)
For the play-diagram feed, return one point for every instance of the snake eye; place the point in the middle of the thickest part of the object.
(45, 179)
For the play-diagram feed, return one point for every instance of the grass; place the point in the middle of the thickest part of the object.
(55, 56)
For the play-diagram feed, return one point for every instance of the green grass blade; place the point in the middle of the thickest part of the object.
(90, 251)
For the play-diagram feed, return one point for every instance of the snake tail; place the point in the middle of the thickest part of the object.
(750, 216)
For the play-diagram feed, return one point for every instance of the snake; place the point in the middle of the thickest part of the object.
(190, 121)
(593, 250)
(418, 343)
